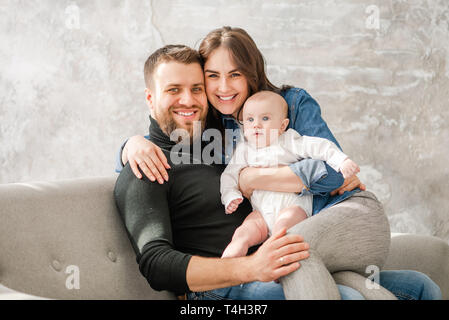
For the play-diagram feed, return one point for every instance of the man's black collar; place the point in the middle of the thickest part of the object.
(158, 137)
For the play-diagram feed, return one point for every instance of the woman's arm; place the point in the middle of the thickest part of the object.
(349, 185)
(280, 179)
(144, 154)
(311, 176)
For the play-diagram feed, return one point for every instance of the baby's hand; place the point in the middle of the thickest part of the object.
(349, 168)
(233, 205)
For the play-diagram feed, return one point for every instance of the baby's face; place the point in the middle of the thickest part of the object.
(263, 122)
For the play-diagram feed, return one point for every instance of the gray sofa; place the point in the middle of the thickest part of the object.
(65, 240)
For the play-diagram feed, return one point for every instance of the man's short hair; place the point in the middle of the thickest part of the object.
(177, 53)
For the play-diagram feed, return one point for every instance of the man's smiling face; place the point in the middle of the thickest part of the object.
(177, 96)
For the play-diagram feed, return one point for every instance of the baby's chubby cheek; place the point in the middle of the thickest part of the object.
(250, 133)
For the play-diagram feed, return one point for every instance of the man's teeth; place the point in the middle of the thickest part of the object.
(185, 114)
(227, 98)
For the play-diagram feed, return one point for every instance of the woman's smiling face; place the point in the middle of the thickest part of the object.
(226, 86)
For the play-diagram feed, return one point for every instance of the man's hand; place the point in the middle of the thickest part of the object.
(349, 185)
(278, 256)
(233, 205)
(140, 152)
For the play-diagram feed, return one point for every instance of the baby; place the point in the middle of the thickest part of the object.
(267, 144)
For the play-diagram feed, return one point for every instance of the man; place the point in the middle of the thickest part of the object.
(179, 229)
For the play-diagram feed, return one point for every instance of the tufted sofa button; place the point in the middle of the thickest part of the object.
(56, 265)
(112, 256)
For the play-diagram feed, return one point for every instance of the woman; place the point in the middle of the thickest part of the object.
(234, 69)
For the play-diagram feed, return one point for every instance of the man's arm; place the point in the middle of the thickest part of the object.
(143, 208)
(264, 265)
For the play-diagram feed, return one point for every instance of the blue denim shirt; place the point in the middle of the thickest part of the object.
(305, 117)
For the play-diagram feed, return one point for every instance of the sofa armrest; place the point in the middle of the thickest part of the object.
(65, 240)
(427, 254)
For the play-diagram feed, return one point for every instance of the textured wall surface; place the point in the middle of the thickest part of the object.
(71, 84)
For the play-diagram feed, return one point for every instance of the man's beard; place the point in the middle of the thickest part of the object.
(169, 125)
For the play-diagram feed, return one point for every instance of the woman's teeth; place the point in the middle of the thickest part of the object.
(227, 98)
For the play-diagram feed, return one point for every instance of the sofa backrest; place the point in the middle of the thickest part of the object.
(65, 240)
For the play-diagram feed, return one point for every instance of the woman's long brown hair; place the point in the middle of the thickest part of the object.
(248, 59)
(245, 54)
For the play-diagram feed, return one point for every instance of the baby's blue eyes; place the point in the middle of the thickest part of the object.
(265, 118)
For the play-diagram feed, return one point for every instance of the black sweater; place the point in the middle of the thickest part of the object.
(169, 223)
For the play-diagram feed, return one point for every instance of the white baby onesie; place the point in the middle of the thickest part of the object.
(289, 148)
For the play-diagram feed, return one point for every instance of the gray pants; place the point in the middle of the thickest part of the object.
(344, 239)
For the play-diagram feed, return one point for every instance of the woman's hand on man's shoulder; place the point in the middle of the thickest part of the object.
(144, 154)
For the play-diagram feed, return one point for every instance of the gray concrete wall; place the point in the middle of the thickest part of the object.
(71, 84)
